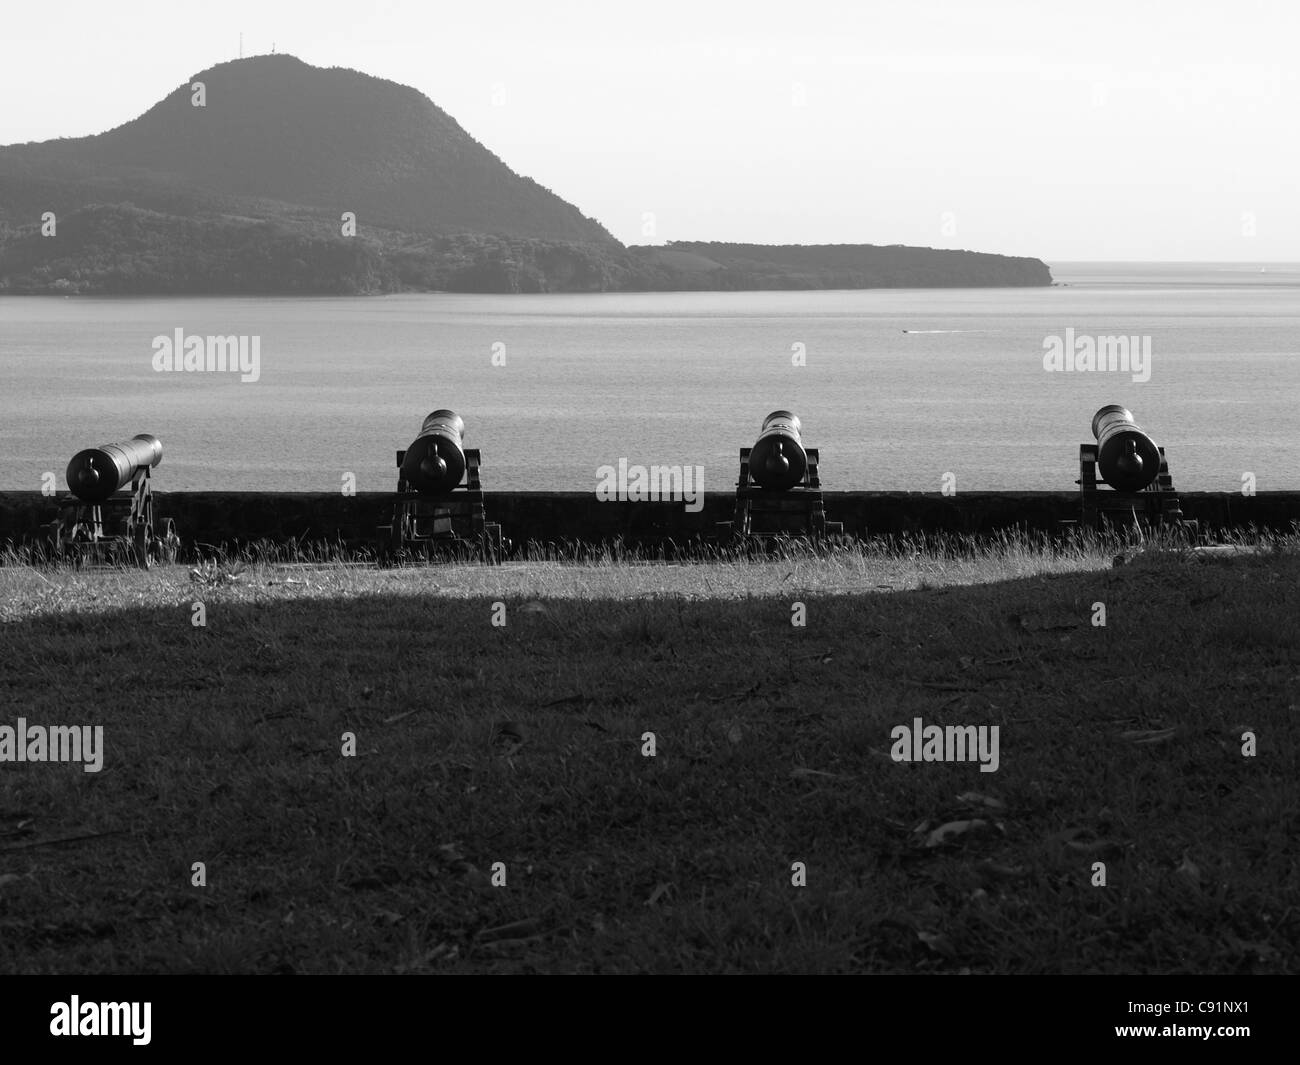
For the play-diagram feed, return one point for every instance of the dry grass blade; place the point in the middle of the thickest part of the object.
(61, 840)
(800, 772)
(1148, 736)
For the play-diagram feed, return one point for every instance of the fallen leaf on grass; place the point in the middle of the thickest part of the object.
(659, 892)
(1189, 871)
(937, 942)
(507, 736)
(450, 856)
(1259, 951)
(952, 830)
(997, 871)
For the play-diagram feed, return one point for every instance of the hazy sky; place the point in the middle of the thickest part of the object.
(1137, 129)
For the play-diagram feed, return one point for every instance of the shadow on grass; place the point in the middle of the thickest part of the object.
(478, 744)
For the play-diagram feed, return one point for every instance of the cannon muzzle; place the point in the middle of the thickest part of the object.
(1127, 458)
(435, 462)
(777, 459)
(96, 473)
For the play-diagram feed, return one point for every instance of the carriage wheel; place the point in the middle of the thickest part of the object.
(140, 546)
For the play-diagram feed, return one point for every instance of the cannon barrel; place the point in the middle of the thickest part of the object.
(777, 459)
(1127, 458)
(97, 472)
(435, 461)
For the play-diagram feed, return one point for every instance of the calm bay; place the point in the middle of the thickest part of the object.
(899, 387)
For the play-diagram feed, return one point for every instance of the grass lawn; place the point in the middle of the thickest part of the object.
(523, 744)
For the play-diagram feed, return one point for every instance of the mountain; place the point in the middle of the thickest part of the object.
(277, 134)
(246, 193)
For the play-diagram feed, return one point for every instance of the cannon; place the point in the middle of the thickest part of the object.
(438, 508)
(1133, 470)
(95, 521)
(1127, 457)
(435, 462)
(778, 459)
(778, 491)
(95, 474)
